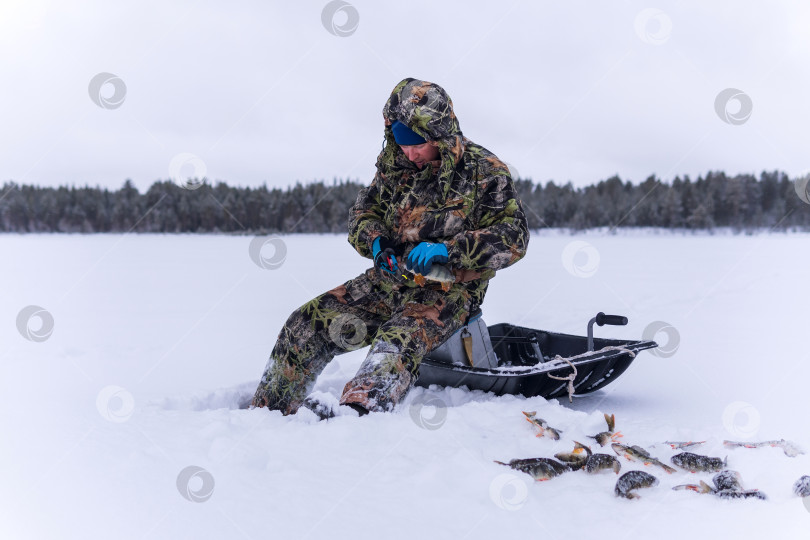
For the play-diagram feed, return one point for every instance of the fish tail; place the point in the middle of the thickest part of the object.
(611, 421)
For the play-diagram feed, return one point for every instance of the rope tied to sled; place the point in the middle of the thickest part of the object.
(570, 377)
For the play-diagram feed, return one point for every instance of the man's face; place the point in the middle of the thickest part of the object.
(421, 153)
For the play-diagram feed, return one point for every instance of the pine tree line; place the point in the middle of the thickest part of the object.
(742, 202)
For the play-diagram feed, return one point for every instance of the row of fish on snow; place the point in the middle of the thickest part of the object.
(727, 483)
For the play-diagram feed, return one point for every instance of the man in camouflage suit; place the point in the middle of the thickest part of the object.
(452, 202)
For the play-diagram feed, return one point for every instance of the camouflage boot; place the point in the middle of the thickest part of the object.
(289, 375)
(381, 382)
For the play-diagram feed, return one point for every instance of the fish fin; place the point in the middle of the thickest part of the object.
(529, 414)
(667, 468)
(501, 463)
(705, 488)
(617, 435)
(580, 446)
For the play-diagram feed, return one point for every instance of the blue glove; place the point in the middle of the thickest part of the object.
(424, 255)
(384, 256)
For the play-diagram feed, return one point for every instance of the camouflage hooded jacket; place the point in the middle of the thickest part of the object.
(465, 199)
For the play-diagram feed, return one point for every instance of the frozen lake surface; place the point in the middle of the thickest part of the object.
(155, 339)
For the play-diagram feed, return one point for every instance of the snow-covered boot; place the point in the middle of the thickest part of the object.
(382, 381)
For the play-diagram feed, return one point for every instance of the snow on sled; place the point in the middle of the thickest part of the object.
(509, 359)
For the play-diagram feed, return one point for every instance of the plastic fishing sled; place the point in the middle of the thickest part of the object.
(509, 359)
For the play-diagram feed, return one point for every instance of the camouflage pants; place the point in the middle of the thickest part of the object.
(402, 324)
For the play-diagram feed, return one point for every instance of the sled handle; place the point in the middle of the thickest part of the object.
(615, 320)
(601, 319)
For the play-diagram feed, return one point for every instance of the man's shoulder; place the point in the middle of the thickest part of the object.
(487, 163)
(476, 150)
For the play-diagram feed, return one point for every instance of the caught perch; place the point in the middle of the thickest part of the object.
(697, 463)
(602, 462)
(610, 435)
(633, 480)
(802, 486)
(541, 469)
(577, 458)
(727, 486)
(636, 453)
(542, 426)
(790, 449)
(682, 445)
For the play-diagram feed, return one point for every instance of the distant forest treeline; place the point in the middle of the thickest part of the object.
(742, 202)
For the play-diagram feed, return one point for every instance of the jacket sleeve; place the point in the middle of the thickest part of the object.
(502, 233)
(366, 218)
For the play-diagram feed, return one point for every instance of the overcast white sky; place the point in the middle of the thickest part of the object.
(261, 92)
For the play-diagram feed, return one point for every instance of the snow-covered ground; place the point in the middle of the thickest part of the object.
(155, 340)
